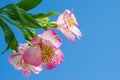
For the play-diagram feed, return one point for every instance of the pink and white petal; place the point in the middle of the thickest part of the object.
(26, 72)
(76, 31)
(48, 66)
(32, 56)
(23, 47)
(37, 69)
(62, 22)
(35, 41)
(15, 60)
(47, 43)
(74, 18)
(55, 61)
(68, 34)
(75, 21)
(52, 36)
(69, 15)
(59, 56)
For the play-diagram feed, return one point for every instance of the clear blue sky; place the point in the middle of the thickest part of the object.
(95, 57)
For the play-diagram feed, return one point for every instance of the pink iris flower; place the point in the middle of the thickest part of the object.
(67, 24)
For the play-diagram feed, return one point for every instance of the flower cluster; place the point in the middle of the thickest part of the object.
(43, 50)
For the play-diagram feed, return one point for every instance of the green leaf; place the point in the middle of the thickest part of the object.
(15, 12)
(11, 22)
(1, 10)
(28, 4)
(42, 15)
(31, 32)
(9, 37)
(29, 19)
(11, 15)
(22, 17)
(28, 34)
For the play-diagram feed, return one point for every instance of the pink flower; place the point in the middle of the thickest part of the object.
(49, 43)
(44, 49)
(17, 61)
(67, 24)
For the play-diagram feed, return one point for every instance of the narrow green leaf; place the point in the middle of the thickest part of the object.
(31, 32)
(9, 37)
(29, 19)
(11, 22)
(42, 15)
(28, 33)
(11, 15)
(23, 17)
(13, 9)
(28, 4)
(1, 10)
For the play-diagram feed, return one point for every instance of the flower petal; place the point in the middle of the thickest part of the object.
(35, 41)
(15, 60)
(52, 36)
(59, 56)
(68, 34)
(37, 69)
(70, 17)
(62, 23)
(32, 56)
(26, 72)
(23, 47)
(55, 60)
(76, 31)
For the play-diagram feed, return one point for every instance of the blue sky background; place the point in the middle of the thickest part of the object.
(96, 56)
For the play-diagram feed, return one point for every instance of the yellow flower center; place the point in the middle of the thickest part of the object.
(47, 53)
(71, 21)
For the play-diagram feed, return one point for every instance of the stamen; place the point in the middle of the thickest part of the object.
(47, 53)
(71, 21)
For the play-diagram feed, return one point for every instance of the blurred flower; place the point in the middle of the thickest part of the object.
(44, 50)
(49, 43)
(67, 24)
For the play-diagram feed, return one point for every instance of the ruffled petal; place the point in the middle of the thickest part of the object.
(57, 58)
(68, 34)
(76, 31)
(23, 47)
(32, 56)
(26, 72)
(62, 23)
(16, 60)
(52, 36)
(37, 69)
